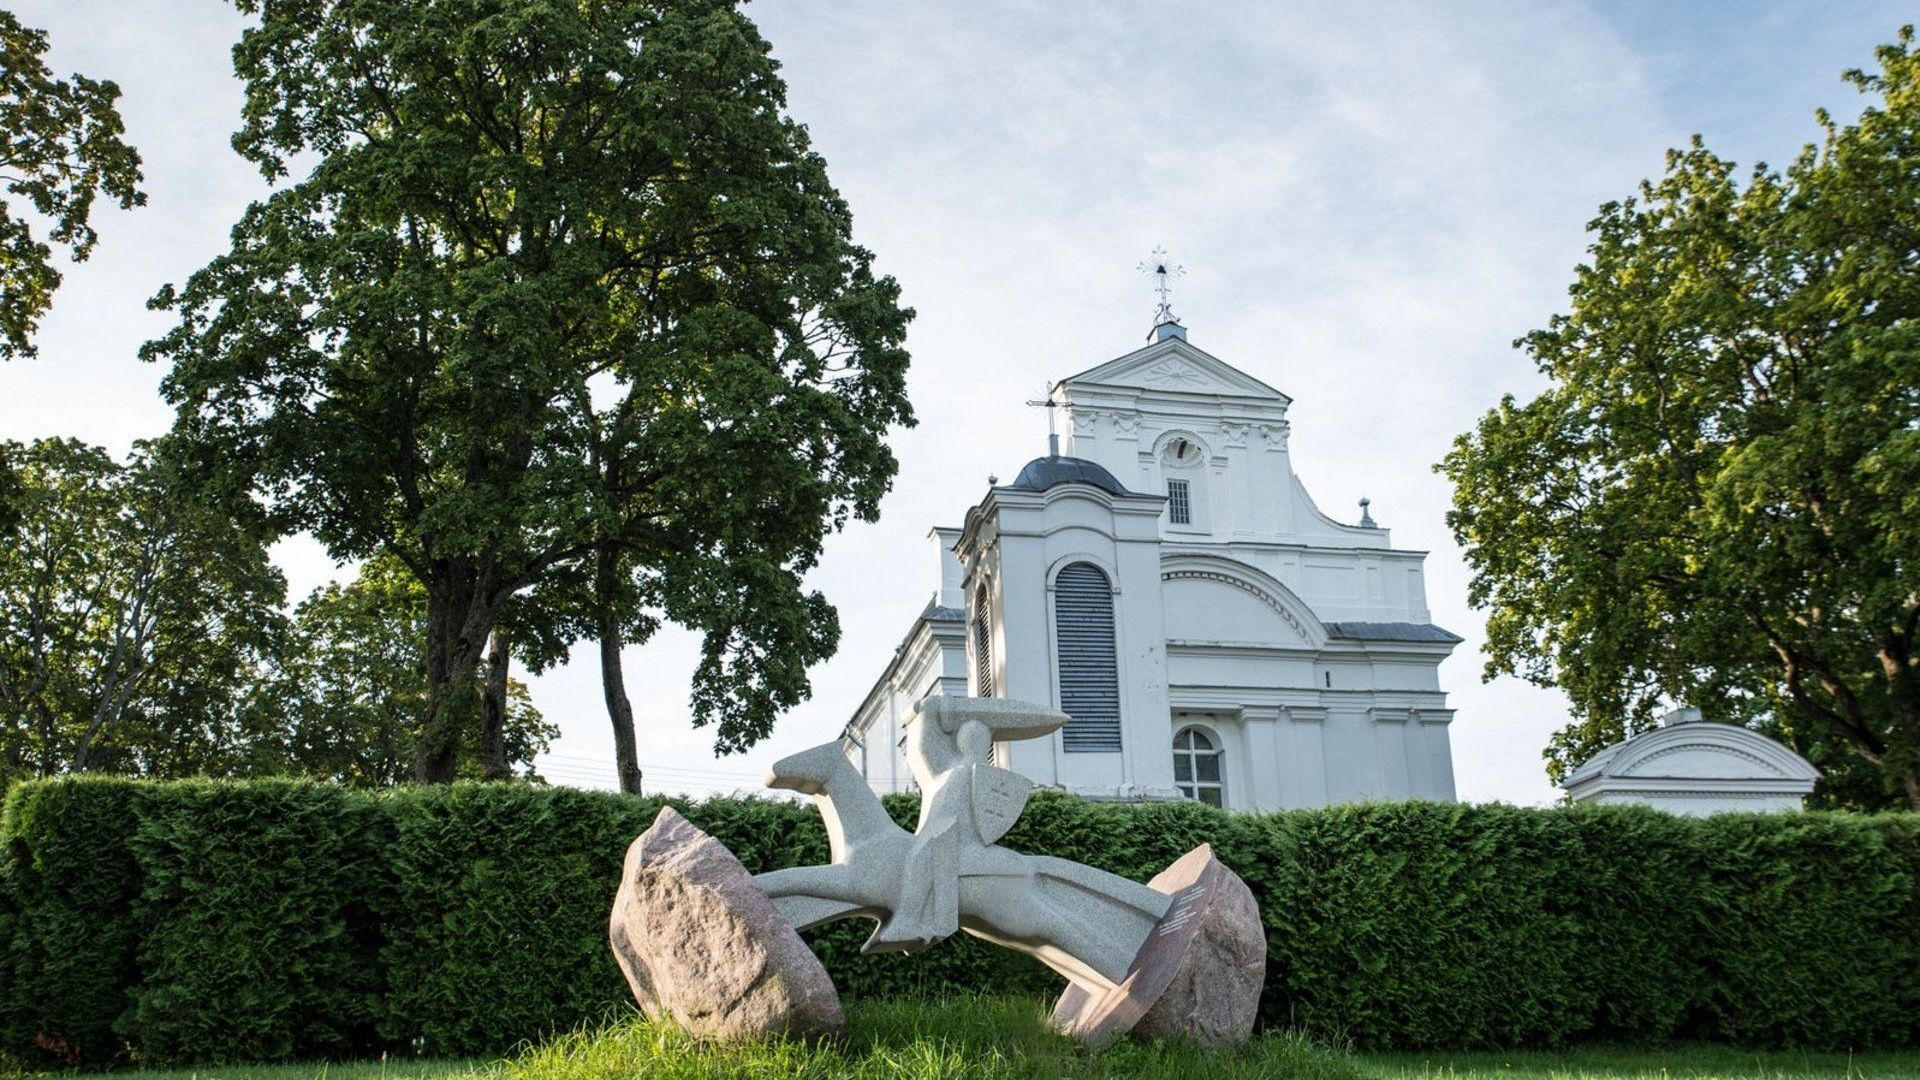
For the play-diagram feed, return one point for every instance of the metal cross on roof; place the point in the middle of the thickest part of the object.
(1046, 401)
(1164, 271)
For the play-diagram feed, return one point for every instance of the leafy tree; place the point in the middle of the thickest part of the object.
(1717, 499)
(60, 149)
(135, 614)
(537, 234)
(350, 693)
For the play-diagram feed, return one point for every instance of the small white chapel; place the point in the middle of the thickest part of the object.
(1166, 581)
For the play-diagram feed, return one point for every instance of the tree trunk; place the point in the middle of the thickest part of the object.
(457, 626)
(613, 680)
(493, 710)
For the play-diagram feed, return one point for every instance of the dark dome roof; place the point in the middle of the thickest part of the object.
(1044, 472)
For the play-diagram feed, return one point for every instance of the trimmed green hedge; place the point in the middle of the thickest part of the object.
(273, 920)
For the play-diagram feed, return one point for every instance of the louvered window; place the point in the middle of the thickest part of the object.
(982, 644)
(1179, 503)
(1089, 672)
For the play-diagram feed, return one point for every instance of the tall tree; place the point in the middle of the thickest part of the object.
(135, 615)
(1717, 499)
(518, 206)
(349, 693)
(60, 149)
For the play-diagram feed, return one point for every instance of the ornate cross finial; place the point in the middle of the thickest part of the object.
(1164, 272)
(1045, 401)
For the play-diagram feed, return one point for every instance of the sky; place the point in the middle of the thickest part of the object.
(1372, 200)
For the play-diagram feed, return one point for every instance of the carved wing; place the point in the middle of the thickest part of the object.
(998, 797)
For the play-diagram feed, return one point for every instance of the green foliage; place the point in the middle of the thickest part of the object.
(1802, 931)
(69, 880)
(279, 919)
(497, 923)
(141, 633)
(259, 927)
(1715, 501)
(348, 695)
(62, 149)
(136, 610)
(1418, 941)
(562, 276)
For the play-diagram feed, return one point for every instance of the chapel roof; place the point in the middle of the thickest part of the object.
(1392, 631)
(1047, 472)
(1699, 751)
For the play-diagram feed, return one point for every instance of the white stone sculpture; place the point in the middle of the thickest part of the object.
(949, 874)
(1185, 955)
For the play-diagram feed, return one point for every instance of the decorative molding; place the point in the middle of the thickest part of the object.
(1235, 432)
(1126, 423)
(1175, 373)
(1704, 747)
(1244, 586)
(1734, 796)
(1305, 714)
(1389, 716)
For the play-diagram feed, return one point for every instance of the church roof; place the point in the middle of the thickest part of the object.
(1176, 364)
(1046, 472)
(1391, 631)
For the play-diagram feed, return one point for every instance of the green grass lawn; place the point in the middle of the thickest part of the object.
(1009, 1038)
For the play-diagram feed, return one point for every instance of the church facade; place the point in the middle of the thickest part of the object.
(1169, 584)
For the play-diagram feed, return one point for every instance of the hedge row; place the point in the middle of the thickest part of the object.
(271, 920)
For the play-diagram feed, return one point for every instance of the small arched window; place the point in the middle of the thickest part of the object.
(982, 643)
(1196, 767)
(1089, 669)
(1182, 468)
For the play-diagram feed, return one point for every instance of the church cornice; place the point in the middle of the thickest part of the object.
(1294, 547)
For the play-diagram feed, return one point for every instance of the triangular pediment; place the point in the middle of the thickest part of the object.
(1177, 366)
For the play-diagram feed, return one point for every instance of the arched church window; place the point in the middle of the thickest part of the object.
(1089, 669)
(1182, 468)
(982, 644)
(1196, 767)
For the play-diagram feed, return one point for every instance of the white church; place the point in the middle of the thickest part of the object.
(1169, 584)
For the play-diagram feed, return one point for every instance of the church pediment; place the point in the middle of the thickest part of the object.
(1176, 366)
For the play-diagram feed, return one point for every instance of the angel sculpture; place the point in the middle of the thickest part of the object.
(950, 873)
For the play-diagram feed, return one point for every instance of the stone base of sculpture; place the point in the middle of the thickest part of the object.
(718, 951)
(703, 946)
(1198, 975)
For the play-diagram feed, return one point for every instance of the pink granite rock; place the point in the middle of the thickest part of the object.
(702, 945)
(1215, 994)
(1199, 973)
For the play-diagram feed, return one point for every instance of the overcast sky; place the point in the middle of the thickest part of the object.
(1372, 201)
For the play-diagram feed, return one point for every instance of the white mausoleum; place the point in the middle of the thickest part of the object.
(1170, 585)
(1690, 767)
